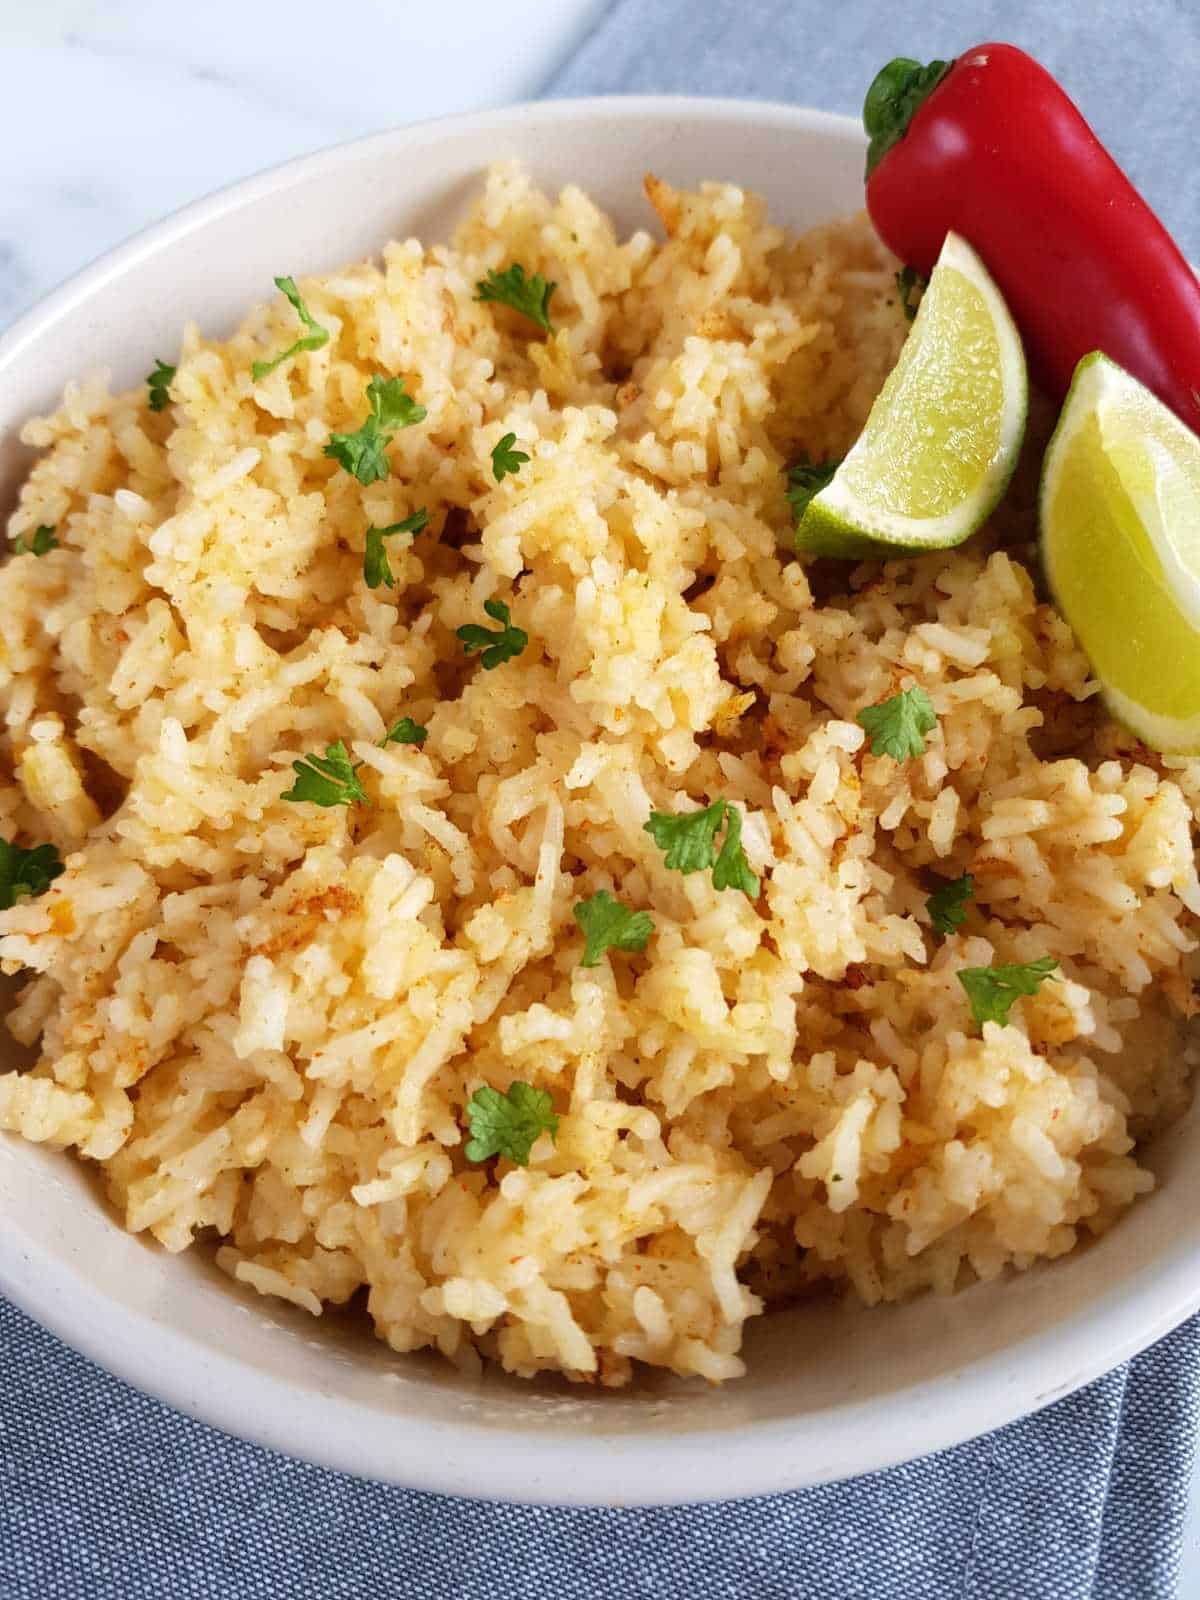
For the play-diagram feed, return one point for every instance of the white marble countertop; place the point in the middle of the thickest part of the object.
(116, 112)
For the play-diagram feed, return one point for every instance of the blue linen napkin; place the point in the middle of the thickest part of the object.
(113, 1496)
(1132, 68)
(109, 1495)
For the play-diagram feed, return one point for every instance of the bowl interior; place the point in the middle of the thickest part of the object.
(832, 1391)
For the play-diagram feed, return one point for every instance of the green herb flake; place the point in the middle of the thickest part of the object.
(688, 838)
(505, 460)
(530, 296)
(44, 540)
(406, 731)
(992, 990)
(312, 340)
(328, 780)
(947, 905)
(608, 925)
(159, 384)
(805, 479)
(898, 726)
(497, 646)
(25, 873)
(363, 453)
(689, 842)
(731, 870)
(910, 282)
(508, 1124)
(376, 569)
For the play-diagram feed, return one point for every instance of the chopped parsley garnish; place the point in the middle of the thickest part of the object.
(689, 840)
(505, 460)
(312, 340)
(364, 452)
(992, 990)
(159, 384)
(375, 561)
(898, 726)
(731, 870)
(508, 1124)
(530, 296)
(497, 646)
(43, 541)
(805, 479)
(947, 906)
(328, 780)
(406, 731)
(908, 282)
(24, 873)
(608, 925)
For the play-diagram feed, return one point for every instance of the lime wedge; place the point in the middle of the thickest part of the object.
(1120, 521)
(944, 433)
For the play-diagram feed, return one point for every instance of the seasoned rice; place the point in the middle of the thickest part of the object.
(262, 1020)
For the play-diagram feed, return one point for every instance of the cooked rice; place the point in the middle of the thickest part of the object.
(262, 1020)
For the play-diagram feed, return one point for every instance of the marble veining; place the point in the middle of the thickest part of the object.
(117, 112)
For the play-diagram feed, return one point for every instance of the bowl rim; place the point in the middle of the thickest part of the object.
(654, 1467)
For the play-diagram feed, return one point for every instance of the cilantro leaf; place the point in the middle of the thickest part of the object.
(406, 731)
(375, 562)
(805, 479)
(43, 541)
(898, 726)
(328, 780)
(313, 340)
(159, 383)
(947, 905)
(508, 1124)
(992, 990)
(391, 404)
(497, 646)
(731, 870)
(689, 840)
(529, 296)
(908, 282)
(26, 872)
(608, 925)
(507, 460)
(364, 452)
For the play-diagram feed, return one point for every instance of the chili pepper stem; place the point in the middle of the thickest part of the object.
(892, 101)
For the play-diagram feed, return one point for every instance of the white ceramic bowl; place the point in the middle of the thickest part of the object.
(832, 1391)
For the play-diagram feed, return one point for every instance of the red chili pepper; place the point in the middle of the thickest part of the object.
(990, 146)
